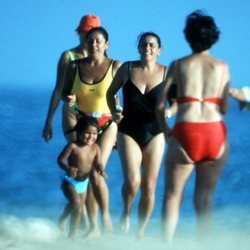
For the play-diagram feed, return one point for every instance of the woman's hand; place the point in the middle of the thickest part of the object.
(71, 100)
(99, 169)
(117, 116)
(47, 132)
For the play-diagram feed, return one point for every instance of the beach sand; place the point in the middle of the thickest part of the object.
(42, 234)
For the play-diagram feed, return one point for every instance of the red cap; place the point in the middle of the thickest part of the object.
(88, 22)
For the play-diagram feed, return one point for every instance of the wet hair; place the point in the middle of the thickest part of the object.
(100, 30)
(83, 123)
(145, 34)
(201, 31)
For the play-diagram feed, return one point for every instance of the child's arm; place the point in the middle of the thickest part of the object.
(98, 164)
(62, 161)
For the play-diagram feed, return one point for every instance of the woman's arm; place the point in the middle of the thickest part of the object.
(116, 66)
(237, 94)
(69, 81)
(224, 98)
(162, 100)
(62, 161)
(56, 95)
(172, 110)
(115, 85)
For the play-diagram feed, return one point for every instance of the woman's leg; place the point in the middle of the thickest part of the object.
(131, 157)
(68, 122)
(178, 168)
(151, 162)
(73, 208)
(207, 174)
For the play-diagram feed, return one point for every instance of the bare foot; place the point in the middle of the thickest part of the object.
(93, 233)
(84, 225)
(139, 234)
(124, 223)
(141, 229)
(61, 224)
(107, 225)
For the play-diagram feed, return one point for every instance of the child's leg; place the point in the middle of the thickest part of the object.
(92, 207)
(68, 208)
(64, 216)
(76, 214)
(74, 206)
(84, 213)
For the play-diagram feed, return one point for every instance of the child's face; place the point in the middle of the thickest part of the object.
(89, 135)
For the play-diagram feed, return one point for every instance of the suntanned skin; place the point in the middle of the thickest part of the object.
(200, 75)
(91, 70)
(68, 120)
(237, 94)
(145, 75)
(78, 159)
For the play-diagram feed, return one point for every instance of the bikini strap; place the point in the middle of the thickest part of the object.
(77, 68)
(75, 62)
(129, 69)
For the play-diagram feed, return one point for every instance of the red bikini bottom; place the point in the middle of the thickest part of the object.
(201, 141)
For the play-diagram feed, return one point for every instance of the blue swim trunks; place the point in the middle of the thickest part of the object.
(80, 186)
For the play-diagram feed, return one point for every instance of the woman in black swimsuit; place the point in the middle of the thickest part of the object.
(140, 139)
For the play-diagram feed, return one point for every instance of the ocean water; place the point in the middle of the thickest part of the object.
(31, 199)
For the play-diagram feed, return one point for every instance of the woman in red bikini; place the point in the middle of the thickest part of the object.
(198, 138)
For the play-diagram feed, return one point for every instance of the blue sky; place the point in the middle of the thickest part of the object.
(35, 32)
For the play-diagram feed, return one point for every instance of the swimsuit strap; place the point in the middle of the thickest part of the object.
(71, 55)
(164, 73)
(113, 62)
(129, 69)
(76, 73)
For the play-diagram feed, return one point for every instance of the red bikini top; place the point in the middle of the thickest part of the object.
(184, 99)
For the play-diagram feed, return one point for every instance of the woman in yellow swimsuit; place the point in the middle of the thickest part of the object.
(89, 79)
(86, 23)
(68, 118)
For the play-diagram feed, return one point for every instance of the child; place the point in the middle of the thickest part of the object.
(77, 159)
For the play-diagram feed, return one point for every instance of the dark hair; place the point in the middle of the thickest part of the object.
(100, 30)
(83, 123)
(201, 31)
(145, 34)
